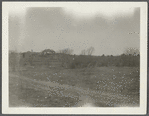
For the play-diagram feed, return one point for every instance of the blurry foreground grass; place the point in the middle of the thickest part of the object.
(107, 86)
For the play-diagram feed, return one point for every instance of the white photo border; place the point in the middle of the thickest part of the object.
(44, 110)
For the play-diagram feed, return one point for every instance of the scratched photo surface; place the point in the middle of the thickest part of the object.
(74, 57)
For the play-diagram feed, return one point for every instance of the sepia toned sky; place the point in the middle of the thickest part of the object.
(110, 31)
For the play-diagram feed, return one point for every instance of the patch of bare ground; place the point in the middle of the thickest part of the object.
(51, 87)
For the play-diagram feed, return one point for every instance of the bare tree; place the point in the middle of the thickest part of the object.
(66, 51)
(83, 52)
(90, 50)
(131, 51)
(65, 58)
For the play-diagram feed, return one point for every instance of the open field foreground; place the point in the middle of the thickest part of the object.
(53, 87)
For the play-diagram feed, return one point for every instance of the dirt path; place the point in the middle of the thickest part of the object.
(47, 85)
(69, 91)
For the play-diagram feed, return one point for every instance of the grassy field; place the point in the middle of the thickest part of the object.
(104, 86)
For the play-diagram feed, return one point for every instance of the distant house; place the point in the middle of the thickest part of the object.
(47, 57)
(48, 52)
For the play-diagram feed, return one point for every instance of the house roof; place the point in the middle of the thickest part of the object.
(48, 50)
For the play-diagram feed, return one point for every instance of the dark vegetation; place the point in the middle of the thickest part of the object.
(83, 61)
(75, 61)
(112, 77)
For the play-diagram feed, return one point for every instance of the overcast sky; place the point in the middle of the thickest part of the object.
(110, 32)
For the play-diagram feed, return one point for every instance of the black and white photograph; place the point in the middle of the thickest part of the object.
(74, 57)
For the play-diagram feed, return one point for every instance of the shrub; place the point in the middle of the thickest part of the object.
(83, 61)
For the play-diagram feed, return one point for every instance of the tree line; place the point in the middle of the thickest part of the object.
(130, 58)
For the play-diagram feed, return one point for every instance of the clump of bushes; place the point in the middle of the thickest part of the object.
(83, 61)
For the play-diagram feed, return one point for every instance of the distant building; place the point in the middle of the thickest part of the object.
(47, 57)
(48, 52)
